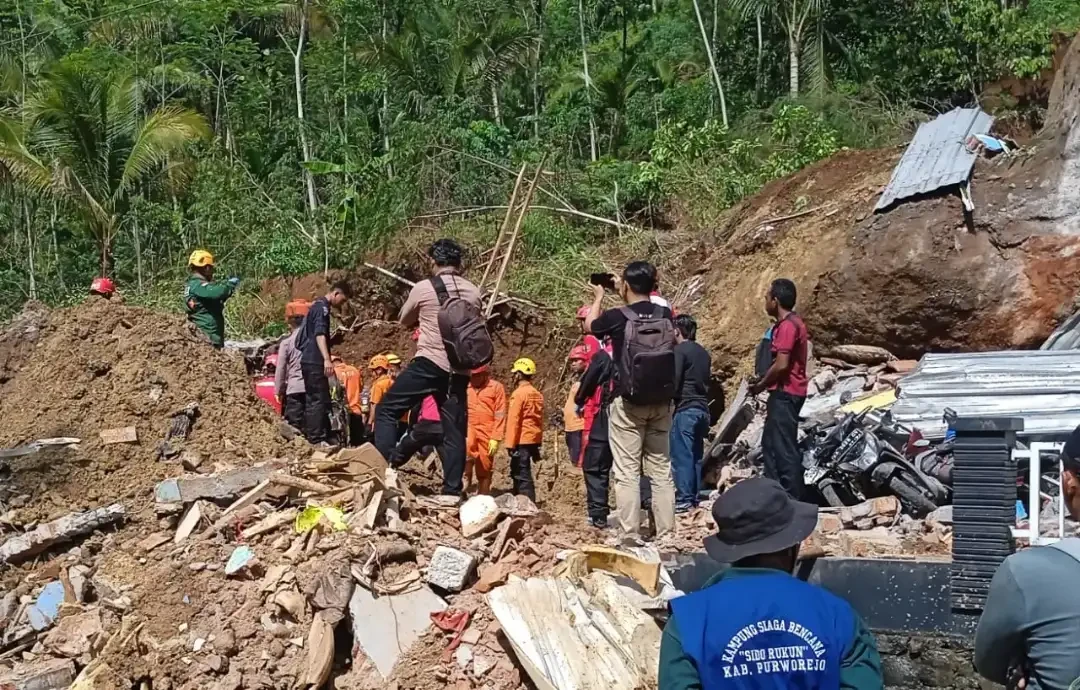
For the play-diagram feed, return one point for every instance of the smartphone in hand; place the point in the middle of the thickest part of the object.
(605, 280)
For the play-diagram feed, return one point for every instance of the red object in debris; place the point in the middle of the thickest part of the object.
(451, 621)
(267, 390)
(271, 360)
(102, 286)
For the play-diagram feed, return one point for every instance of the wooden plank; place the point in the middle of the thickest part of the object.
(614, 561)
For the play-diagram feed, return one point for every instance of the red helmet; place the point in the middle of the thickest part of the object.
(102, 286)
(580, 352)
(481, 369)
(271, 360)
(583, 312)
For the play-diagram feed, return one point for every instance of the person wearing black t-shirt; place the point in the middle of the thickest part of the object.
(313, 342)
(639, 434)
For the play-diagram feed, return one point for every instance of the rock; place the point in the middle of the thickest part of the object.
(859, 354)
(75, 635)
(216, 663)
(516, 506)
(126, 434)
(190, 460)
(225, 642)
(873, 542)
(941, 516)
(822, 382)
(9, 605)
(41, 538)
(463, 655)
(829, 523)
(187, 489)
(386, 626)
(450, 568)
(482, 664)
(471, 636)
(901, 366)
(491, 576)
(292, 603)
(78, 576)
(196, 566)
(478, 514)
(46, 674)
(883, 506)
(510, 530)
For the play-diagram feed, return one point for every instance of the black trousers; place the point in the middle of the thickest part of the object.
(356, 429)
(423, 433)
(521, 459)
(293, 410)
(597, 469)
(420, 379)
(573, 445)
(779, 442)
(316, 402)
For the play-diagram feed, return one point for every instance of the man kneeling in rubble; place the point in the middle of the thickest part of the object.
(755, 625)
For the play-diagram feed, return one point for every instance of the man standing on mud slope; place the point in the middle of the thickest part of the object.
(429, 373)
(786, 382)
(316, 365)
(205, 298)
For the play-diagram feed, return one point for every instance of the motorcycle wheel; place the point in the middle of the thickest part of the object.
(832, 497)
(911, 498)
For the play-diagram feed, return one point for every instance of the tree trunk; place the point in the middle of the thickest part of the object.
(138, 253)
(539, 64)
(712, 64)
(593, 153)
(495, 103)
(384, 113)
(760, 58)
(793, 74)
(30, 250)
(305, 147)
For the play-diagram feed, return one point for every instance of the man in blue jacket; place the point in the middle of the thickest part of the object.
(755, 626)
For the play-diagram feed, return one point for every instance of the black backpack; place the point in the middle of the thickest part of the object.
(647, 361)
(463, 329)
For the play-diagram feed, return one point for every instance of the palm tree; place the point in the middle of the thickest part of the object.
(797, 17)
(490, 50)
(83, 139)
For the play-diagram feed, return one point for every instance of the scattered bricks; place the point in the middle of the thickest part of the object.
(874, 542)
(52, 674)
(829, 523)
(75, 635)
(491, 576)
(154, 541)
(901, 366)
(213, 486)
(41, 538)
(883, 506)
(449, 568)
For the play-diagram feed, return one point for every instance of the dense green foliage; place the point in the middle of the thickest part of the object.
(291, 136)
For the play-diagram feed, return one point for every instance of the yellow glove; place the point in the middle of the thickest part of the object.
(493, 446)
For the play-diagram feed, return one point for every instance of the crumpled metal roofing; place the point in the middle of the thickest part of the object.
(1040, 386)
(1066, 336)
(937, 156)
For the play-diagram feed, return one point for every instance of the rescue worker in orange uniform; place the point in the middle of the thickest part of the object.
(524, 427)
(352, 381)
(380, 369)
(487, 425)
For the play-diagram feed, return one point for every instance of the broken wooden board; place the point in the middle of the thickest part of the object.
(126, 434)
(614, 561)
(568, 637)
(43, 537)
(190, 488)
(189, 522)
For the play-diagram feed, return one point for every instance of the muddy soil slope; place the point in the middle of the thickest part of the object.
(918, 277)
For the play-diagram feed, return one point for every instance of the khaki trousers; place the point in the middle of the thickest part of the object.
(639, 445)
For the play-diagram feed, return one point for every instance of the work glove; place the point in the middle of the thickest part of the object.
(493, 446)
(234, 281)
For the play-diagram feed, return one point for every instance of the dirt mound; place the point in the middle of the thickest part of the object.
(922, 276)
(102, 365)
(18, 337)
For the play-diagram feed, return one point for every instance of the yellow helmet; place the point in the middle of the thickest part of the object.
(392, 358)
(524, 366)
(379, 362)
(200, 258)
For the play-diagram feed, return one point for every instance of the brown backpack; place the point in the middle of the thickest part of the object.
(647, 362)
(463, 329)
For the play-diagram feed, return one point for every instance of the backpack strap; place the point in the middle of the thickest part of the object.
(629, 313)
(1070, 546)
(440, 289)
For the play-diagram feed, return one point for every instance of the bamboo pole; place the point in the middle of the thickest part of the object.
(505, 224)
(514, 235)
(554, 209)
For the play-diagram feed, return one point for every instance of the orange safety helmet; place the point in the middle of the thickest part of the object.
(379, 362)
(102, 286)
(297, 308)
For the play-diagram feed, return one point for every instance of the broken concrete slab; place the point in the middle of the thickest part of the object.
(829, 523)
(478, 514)
(50, 674)
(41, 538)
(882, 506)
(450, 568)
(154, 540)
(384, 627)
(126, 434)
(491, 576)
(190, 488)
(75, 635)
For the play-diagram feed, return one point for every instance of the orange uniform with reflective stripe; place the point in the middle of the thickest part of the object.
(353, 383)
(525, 424)
(487, 421)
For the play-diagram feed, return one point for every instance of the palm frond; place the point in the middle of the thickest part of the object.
(750, 8)
(17, 163)
(814, 61)
(167, 131)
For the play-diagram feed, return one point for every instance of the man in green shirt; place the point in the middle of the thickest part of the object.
(205, 299)
(755, 626)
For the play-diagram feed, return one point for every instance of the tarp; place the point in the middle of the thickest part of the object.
(937, 156)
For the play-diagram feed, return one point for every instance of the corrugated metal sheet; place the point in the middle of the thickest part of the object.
(1066, 336)
(1041, 386)
(937, 156)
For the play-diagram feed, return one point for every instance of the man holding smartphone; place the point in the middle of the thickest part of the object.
(643, 347)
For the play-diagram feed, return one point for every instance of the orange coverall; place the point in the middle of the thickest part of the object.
(352, 381)
(526, 424)
(487, 421)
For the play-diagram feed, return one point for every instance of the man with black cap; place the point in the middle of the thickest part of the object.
(755, 625)
(1030, 626)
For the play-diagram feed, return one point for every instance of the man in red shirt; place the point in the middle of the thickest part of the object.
(786, 382)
